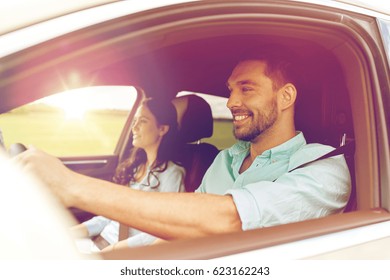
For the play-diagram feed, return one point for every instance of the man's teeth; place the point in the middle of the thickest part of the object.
(240, 118)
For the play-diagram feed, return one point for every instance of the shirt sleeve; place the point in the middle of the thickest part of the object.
(141, 239)
(96, 225)
(314, 191)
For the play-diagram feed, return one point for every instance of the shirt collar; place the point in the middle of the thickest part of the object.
(285, 149)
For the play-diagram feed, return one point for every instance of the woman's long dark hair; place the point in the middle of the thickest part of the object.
(165, 114)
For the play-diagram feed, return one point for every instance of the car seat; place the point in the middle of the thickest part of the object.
(195, 123)
(323, 111)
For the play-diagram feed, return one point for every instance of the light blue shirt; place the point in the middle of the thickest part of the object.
(171, 180)
(266, 194)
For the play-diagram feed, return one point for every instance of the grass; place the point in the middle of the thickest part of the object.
(95, 134)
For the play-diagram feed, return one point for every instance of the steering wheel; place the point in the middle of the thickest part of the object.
(16, 149)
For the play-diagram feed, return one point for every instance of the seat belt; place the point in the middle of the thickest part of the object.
(346, 149)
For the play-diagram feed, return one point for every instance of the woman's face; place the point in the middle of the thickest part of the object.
(146, 132)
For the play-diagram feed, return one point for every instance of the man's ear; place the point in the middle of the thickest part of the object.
(163, 129)
(287, 96)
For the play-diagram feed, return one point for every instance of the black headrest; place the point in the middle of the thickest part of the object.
(194, 118)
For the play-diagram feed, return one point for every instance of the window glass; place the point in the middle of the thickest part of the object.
(385, 28)
(222, 136)
(85, 121)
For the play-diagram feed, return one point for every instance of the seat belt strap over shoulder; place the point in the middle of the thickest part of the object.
(347, 149)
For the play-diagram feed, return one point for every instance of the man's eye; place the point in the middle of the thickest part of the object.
(245, 89)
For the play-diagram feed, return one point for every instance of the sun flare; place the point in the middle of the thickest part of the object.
(77, 103)
(74, 112)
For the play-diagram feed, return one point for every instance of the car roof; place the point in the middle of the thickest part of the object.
(374, 5)
(53, 19)
(23, 31)
(47, 9)
(43, 10)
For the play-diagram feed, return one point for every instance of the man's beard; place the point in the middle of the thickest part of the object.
(264, 120)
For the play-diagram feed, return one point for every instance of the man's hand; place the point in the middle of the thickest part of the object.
(49, 170)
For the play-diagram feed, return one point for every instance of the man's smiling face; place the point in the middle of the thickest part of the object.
(252, 101)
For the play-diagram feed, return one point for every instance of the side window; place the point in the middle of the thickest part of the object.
(82, 122)
(222, 137)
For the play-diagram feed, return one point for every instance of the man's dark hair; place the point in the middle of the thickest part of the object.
(281, 64)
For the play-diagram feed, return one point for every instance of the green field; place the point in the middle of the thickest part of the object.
(95, 134)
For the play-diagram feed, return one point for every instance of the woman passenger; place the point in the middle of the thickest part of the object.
(152, 166)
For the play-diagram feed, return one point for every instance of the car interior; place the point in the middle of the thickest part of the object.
(323, 110)
(195, 53)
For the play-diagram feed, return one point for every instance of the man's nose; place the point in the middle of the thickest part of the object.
(234, 100)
